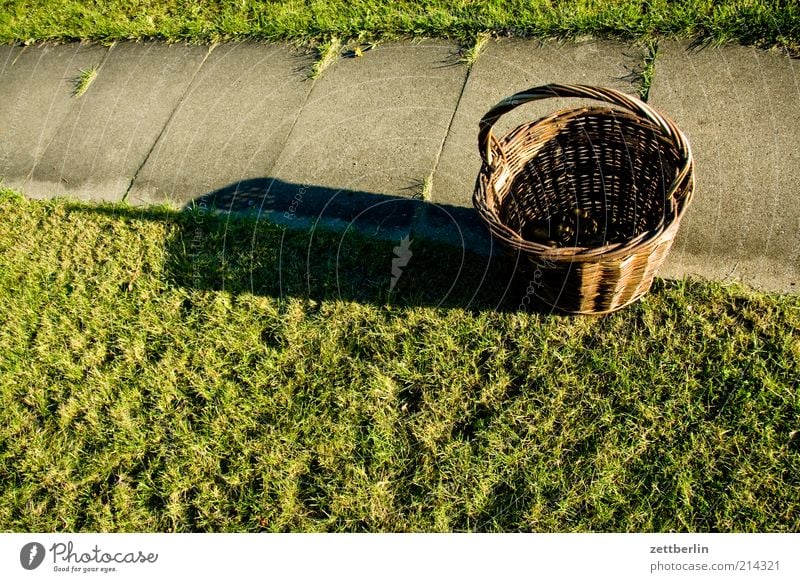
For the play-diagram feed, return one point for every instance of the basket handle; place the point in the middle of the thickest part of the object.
(612, 96)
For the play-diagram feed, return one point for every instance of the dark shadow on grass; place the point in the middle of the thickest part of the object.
(267, 237)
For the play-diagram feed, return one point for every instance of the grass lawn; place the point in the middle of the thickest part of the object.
(763, 22)
(176, 372)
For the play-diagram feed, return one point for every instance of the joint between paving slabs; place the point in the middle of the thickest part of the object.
(469, 59)
(295, 120)
(169, 120)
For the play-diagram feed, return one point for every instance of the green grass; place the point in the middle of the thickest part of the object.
(426, 193)
(84, 80)
(648, 71)
(327, 53)
(172, 372)
(763, 22)
(475, 48)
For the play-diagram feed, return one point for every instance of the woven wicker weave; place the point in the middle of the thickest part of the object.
(590, 198)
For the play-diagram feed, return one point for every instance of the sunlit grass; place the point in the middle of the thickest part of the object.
(763, 22)
(157, 374)
(327, 53)
(84, 80)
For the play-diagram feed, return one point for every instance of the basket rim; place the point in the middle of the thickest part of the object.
(679, 193)
(571, 254)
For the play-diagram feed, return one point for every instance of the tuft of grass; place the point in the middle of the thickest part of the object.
(84, 80)
(474, 50)
(760, 22)
(327, 53)
(164, 371)
(427, 187)
(648, 71)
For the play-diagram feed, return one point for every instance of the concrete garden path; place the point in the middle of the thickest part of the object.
(392, 133)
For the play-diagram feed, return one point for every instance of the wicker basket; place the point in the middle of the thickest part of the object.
(589, 199)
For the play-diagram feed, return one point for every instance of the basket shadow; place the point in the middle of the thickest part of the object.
(323, 243)
(267, 237)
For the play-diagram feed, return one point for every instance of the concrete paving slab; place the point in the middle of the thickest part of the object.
(739, 108)
(231, 126)
(376, 123)
(508, 66)
(35, 99)
(110, 130)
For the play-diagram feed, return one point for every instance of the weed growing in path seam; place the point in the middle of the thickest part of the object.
(648, 70)
(84, 80)
(327, 53)
(472, 53)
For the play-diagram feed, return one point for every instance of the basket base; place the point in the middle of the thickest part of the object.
(594, 312)
(590, 288)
